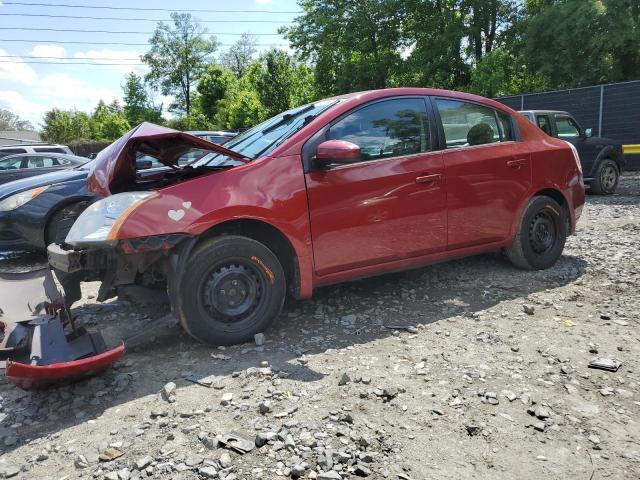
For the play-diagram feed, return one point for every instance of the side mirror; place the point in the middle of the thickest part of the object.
(336, 151)
(143, 164)
(588, 132)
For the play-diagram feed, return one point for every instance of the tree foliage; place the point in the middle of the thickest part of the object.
(212, 87)
(138, 105)
(240, 55)
(11, 121)
(178, 56)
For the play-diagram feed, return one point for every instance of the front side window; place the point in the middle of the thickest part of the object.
(468, 124)
(390, 128)
(544, 124)
(567, 127)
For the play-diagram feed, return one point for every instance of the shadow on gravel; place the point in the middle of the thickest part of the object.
(359, 312)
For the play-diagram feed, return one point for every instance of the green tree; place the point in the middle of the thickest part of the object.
(107, 123)
(178, 56)
(240, 55)
(11, 121)
(212, 87)
(138, 105)
(276, 82)
(353, 44)
(63, 126)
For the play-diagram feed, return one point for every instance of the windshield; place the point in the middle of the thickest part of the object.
(263, 138)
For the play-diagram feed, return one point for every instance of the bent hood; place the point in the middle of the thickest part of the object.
(114, 170)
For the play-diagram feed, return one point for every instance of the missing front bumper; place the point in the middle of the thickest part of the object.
(39, 343)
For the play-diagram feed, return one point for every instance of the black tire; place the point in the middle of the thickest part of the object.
(606, 178)
(541, 235)
(61, 221)
(232, 288)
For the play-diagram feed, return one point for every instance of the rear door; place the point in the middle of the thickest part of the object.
(387, 205)
(487, 171)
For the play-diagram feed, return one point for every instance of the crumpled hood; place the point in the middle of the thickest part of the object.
(114, 170)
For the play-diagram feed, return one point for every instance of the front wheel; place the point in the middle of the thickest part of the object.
(232, 288)
(541, 235)
(606, 178)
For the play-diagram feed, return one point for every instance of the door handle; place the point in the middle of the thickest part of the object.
(517, 163)
(428, 179)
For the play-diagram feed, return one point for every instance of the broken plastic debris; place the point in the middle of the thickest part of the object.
(234, 441)
(608, 364)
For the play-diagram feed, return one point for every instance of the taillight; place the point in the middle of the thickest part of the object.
(576, 157)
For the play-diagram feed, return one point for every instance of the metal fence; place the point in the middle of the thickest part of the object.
(611, 110)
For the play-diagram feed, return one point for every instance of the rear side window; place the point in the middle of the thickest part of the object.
(11, 163)
(42, 162)
(544, 124)
(50, 150)
(390, 128)
(468, 124)
(10, 151)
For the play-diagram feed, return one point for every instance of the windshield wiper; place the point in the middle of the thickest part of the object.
(286, 117)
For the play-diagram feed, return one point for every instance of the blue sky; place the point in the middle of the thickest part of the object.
(30, 89)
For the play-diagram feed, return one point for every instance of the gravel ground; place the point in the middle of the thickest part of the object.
(467, 369)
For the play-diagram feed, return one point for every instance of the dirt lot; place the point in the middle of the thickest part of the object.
(468, 369)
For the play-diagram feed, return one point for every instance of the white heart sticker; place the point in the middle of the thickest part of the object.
(176, 215)
(186, 205)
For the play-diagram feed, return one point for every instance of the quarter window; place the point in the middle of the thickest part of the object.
(567, 128)
(469, 124)
(391, 128)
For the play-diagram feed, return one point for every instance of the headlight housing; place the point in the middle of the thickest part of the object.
(19, 199)
(99, 224)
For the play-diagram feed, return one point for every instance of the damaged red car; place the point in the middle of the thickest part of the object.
(339, 189)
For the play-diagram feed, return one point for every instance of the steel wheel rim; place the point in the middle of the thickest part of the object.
(608, 177)
(542, 232)
(232, 291)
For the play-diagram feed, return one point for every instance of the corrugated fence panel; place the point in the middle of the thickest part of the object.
(621, 112)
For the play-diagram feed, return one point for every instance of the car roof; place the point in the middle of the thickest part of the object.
(73, 158)
(18, 145)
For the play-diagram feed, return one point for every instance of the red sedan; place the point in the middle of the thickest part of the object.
(342, 188)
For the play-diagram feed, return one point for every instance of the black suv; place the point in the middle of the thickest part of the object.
(601, 158)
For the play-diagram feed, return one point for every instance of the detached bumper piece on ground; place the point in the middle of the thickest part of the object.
(39, 343)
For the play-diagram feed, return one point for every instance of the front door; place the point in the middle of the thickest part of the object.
(387, 205)
(487, 172)
(568, 129)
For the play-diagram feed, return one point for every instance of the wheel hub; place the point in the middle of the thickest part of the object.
(608, 177)
(542, 233)
(232, 291)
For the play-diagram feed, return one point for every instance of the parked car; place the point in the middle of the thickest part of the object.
(343, 188)
(14, 167)
(602, 158)
(33, 148)
(219, 136)
(33, 210)
(37, 211)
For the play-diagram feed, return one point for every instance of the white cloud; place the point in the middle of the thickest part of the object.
(263, 2)
(25, 109)
(107, 55)
(48, 50)
(13, 71)
(64, 91)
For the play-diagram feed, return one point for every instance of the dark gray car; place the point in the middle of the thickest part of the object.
(602, 158)
(23, 165)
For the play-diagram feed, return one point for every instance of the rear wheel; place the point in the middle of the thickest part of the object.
(233, 288)
(606, 178)
(541, 235)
